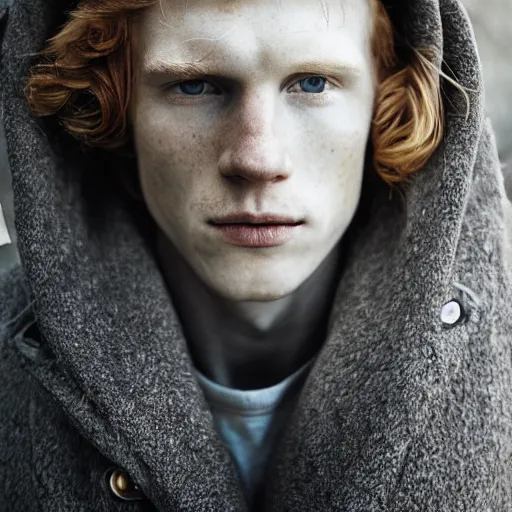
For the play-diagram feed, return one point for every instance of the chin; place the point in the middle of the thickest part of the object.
(258, 276)
(254, 288)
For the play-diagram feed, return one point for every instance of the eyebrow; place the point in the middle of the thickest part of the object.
(185, 69)
(192, 69)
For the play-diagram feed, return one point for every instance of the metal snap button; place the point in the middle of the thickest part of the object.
(452, 313)
(123, 487)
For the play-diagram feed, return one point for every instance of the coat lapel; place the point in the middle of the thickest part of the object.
(123, 375)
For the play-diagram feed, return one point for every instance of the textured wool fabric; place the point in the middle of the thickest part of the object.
(400, 412)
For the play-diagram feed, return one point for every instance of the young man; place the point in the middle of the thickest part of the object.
(260, 325)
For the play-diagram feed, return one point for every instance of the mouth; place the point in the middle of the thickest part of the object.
(265, 219)
(247, 230)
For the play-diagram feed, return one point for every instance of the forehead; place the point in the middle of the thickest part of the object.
(254, 32)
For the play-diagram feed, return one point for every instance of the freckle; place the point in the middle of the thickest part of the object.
(159, 141)
(332, 150)
(193, 135)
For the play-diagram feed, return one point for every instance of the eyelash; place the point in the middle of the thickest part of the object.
(319, 97)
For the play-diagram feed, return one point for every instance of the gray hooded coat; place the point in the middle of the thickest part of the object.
(402, 410)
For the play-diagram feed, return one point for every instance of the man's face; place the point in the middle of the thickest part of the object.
(273, 120)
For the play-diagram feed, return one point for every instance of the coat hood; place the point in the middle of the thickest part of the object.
(399, 412)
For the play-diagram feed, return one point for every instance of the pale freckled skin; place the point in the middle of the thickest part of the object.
(248, 143)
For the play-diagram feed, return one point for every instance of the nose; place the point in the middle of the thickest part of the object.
(253, 151)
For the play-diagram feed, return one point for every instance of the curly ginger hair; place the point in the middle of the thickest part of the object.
(86, 77)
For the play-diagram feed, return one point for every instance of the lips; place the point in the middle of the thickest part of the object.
(263, 230)
(259, 219)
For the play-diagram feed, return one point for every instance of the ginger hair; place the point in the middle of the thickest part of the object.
(85, 77)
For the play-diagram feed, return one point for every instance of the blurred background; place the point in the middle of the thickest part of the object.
(491, 21)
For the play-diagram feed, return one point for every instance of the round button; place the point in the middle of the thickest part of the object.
(451, 313)
(123, 487)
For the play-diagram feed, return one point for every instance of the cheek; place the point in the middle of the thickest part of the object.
(163, 173)
(334, 171)
(169, 158)
(161, 148)
(335, 162)
(342, 187)
(332, 142)
(174, 135)
(174, 167)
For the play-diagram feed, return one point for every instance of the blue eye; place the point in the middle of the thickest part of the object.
(195, 87)
(313, 84)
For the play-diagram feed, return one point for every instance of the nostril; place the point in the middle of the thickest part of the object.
(236, 178)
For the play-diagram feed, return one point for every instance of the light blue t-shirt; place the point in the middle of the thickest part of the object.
(250, 421)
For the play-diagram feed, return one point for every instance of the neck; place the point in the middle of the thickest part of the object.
(249, 345)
